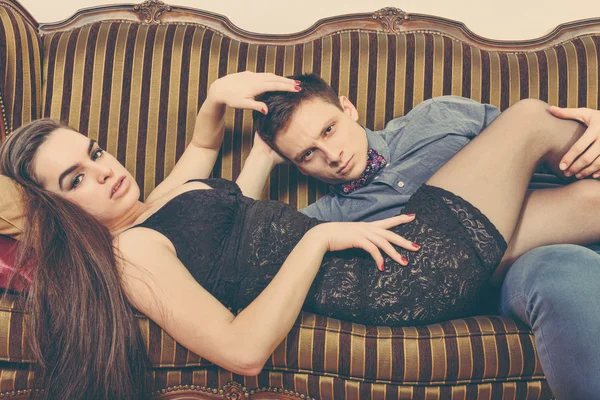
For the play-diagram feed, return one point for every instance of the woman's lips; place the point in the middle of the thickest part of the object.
(119, 188)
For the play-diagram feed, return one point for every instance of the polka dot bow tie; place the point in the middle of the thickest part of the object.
(375, 162)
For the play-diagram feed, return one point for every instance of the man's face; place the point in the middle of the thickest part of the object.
(324, 141)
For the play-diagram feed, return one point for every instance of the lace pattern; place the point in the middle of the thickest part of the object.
(234, 246)
(446, 279)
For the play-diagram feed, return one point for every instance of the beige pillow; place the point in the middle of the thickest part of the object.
(12, 218)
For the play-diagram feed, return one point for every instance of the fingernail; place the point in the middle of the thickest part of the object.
(411, 215)
(297, 88)
(298, 82)
(595, 176)
(262, 110)
(416, 246)
(562, 166)
(382, 267)
(567, 174)
(404, 260)
(579, 176)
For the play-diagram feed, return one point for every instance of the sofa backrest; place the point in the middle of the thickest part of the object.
(135, 79)
(20, 68)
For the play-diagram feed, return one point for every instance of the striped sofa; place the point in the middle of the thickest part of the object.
(134, 76)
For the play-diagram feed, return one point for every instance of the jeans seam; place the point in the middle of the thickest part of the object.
(538, 345)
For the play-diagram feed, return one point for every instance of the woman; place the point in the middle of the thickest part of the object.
(197, 249)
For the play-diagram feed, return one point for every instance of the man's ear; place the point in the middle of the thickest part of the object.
(349, 108)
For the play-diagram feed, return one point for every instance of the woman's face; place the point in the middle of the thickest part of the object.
(74, 167)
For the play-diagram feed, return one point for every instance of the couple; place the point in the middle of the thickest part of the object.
(197, 248)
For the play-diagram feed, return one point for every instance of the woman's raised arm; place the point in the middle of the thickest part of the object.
(235, 90)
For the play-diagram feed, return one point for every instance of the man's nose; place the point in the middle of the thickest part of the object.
(334, 156)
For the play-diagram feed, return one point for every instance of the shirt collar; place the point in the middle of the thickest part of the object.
(376, 142)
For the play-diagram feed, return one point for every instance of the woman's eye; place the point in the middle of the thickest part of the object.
(97, 154)
(329, 130)
(76, 181)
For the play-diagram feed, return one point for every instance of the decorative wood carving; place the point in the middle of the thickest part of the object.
(391, 18)
(153, 9)
(230, 391)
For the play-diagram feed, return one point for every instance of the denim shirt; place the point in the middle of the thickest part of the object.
(416, 146)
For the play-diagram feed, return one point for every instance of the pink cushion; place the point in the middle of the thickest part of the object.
(7, 265)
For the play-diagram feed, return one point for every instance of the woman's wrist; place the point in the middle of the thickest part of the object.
(214, 99)
(315, 238)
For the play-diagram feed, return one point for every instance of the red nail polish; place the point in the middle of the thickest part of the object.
(382, 267)
(297, 88)
(298, 82)
(411, 215)
(404, 260)
(416, 246)
(262, 110)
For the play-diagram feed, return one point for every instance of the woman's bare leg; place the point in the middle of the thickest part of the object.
(568, 214)
(493, 171)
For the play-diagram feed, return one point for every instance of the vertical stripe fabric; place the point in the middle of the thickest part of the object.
(20, 70)
(460, 352)
(136, 88)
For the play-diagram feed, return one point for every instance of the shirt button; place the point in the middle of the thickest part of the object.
(400, 184)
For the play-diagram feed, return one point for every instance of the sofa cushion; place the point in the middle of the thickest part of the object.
(479, 349)
(9, 277)
(12, 217)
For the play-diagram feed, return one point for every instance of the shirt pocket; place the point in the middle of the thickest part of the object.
(405, 178)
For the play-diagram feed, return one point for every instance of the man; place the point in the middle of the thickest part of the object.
(372, 175)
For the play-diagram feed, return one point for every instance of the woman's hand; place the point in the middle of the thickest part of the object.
(369, 236)
(238, 90)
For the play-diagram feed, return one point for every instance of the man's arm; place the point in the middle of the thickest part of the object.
(257, 168)
(468, 117)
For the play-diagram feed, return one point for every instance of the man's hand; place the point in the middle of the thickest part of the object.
(261, 148)
(583, 158)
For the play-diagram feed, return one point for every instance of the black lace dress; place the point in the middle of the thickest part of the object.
(233, 246)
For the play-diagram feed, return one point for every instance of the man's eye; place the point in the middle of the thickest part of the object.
(76, 181)
(308, 155)
(329, 130)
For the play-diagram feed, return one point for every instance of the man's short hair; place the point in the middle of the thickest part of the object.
(283, 105)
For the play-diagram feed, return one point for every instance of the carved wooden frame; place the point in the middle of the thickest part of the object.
(388, 19)
(230, 391)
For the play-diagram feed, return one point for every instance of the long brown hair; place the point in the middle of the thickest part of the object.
(84, 336)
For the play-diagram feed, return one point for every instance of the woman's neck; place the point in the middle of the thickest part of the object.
(130, 219)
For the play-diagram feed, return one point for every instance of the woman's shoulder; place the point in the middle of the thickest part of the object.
(138, 239)
(157, 203)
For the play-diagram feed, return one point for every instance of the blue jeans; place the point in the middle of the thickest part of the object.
(556, 291)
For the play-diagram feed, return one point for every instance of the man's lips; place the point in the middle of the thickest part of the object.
(344, 167)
